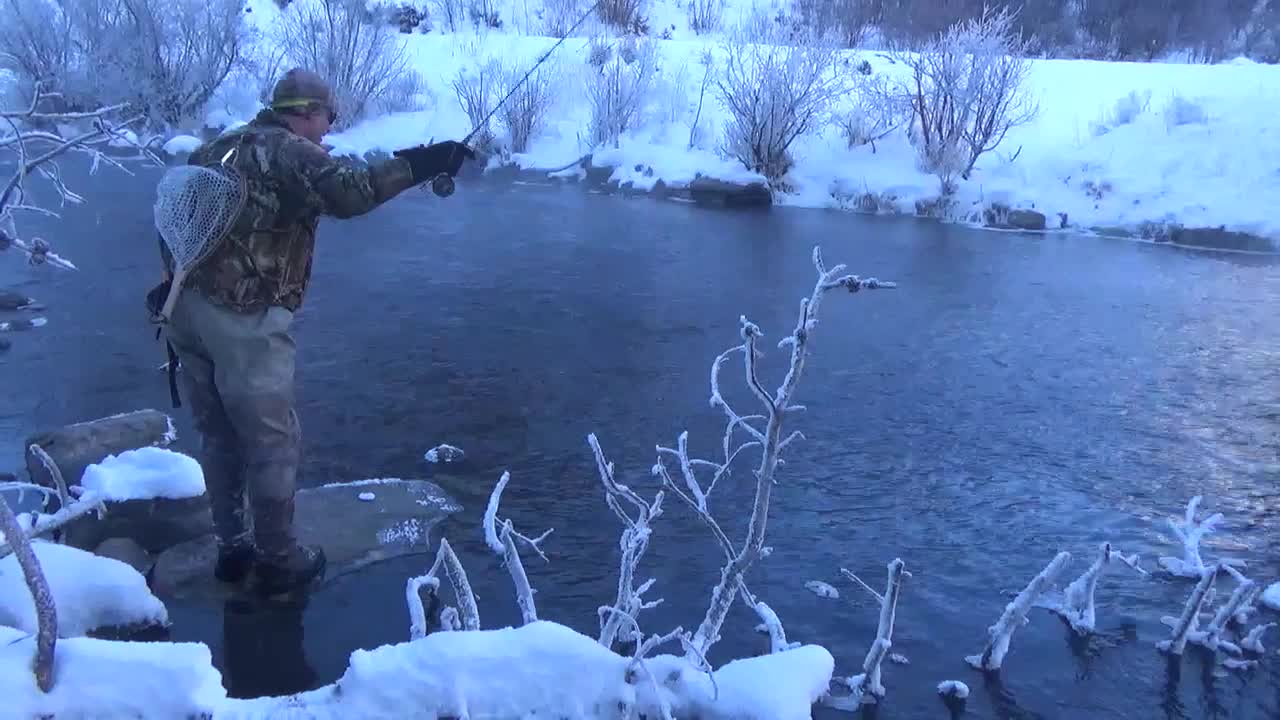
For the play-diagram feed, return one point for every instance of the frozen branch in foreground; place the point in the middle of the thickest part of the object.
(1253, 641)
(868, 682)
(770, 440)
(1076, 603)
(35, 152)
(447, 560)
(1190, 533)
(1015, 615)
(1212, 636)
(503, 544)
(1190, 619)
(85, 503)
(46, 612)
(636, 531)
(64, 496)
(771, 625)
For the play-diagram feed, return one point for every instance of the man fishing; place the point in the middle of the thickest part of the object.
(229, 327)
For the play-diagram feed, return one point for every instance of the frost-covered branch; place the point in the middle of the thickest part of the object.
(636, 532)
(1189, 621)
(36, 152)
(85, 503)
(770, 440)
(503, 544)
(1015, 616)
(1076, 603)
(1212, 636)
(446, 560)
(1253, 641)
(868, 681)
(1190, 532)
(42, 597)
(51, 467)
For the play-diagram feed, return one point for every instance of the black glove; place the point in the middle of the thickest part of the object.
(428, 161)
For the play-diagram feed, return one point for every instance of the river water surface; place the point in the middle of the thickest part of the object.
(1016, 396)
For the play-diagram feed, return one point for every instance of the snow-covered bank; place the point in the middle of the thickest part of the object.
(1139, 147)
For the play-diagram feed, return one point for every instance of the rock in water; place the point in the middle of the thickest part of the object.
(128, 552)
(1271, 597)
(399, 520)
(10, 300)
(154, 524)
(721, 193)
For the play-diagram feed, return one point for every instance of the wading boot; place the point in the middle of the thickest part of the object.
(300, 569)
(234, 561)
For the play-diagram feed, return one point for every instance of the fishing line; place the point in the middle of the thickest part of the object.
(442, 185)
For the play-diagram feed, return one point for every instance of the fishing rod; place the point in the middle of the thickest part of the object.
(442, 185)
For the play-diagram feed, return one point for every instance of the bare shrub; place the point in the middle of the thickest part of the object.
(1181, 111)
(526, 110)
(165, 58)
(625, 15)
(476, 91)
(1124, 112)
(774, 93)
(705, 15)
(879, 110)
(966, 92)
(599, 51)
(483, 14)
(364, 63)
(618, 91)
(708, 62)
(558, 16)
(451, 14)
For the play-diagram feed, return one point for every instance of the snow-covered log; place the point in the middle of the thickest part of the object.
(1015, 615)
(1076, 603)
(503, 544)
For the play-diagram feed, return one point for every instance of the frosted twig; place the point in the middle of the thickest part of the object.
(1253, 641)
(418, 614)
(1015, 615)
(858, 580)
(1190, 619)
(771, 624)
(1211, 636)
(634, 541)
(449, 619)
(1190, 532)
(42, 597)
(1076, 604)
(87, 502)
(447, 560)
(503, 544)
(55, 474)
(770, 439)
(884, 629)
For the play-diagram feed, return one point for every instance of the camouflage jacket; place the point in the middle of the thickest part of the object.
(265, 259)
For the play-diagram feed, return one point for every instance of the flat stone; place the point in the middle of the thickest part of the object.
(354, 533)
(1027, 220)
(127, 551)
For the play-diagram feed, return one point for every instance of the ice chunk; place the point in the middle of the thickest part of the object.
(821, 589)
(444, 453)
(145, 474)
(89, 591)
(367, 496)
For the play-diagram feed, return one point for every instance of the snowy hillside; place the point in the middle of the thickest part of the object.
(1134, 146)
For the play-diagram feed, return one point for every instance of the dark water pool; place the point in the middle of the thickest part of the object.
(1017, 396)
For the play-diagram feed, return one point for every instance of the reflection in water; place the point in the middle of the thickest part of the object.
(263, 650)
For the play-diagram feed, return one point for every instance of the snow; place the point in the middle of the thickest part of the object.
(101, 678)
(1271, 596)
(1131, 170)
(144, 474)
(181, 144)
(89, 591)
(367, 496)
(546, 669)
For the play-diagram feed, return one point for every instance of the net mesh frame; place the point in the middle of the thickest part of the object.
(195, 208)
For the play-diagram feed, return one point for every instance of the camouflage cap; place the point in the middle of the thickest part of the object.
(299, 88)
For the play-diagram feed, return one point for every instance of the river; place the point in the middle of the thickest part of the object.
(1017, 395)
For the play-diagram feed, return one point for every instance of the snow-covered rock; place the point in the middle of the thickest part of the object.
(181, 144)
(89, 591)
(145, 474)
